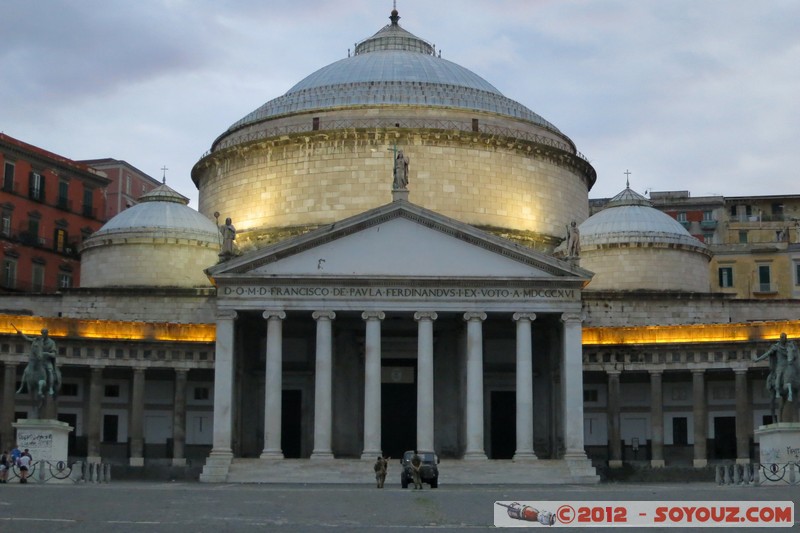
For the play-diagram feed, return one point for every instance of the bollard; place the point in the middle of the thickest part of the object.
(107, 472)
(792, 469)
(757, 474)
(737, 476)
(746, 474)
(720, 475)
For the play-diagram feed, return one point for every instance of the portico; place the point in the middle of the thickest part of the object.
(418, 350)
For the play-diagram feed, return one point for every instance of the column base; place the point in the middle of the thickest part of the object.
(657, 463)
(322, 456)
(577, 455)
(370, 455)
(136, 461)
(700, 463)
(217, 466)
(178, 461)
(271, 454)
(521, 457)
(475, 456)
(615, 463)
(742, 460)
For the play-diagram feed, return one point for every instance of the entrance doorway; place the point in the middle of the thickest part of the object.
(725, 437)
(291, 423)
(503, 424)
(398, 406)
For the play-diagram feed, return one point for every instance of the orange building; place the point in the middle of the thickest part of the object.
(48, 205)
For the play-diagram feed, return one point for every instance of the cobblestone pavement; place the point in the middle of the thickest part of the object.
(122, 507)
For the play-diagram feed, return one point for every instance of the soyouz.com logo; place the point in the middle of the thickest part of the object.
(643, 514)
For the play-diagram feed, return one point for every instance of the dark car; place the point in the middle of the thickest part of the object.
(428, 470)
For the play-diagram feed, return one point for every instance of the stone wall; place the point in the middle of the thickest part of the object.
(654, 267)
(642, 308)
(322, 177)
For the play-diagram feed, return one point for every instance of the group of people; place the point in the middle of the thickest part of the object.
(382, 465)
(21, 460)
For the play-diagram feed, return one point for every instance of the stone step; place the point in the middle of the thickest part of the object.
(455, 472)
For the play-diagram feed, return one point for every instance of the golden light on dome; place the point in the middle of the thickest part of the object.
(109, 329)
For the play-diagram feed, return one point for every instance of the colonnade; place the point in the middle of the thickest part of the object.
(571, 406)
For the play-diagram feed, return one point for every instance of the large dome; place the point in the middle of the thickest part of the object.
(325, 149)
(393, 67)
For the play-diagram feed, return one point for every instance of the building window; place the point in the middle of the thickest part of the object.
(63, 194)
(708, 216)
(69, 389)
(797, 273)
(110, 428)
(127, 185)
(37, 277)
(88, 207)
(60, 240)
(64, 280)
(36, 189)
(726, 277)
(111, 391)
(8, 177)
(590, 395)
(680, 433)
(742, 237)
(764, 278)
(9, 273)
(681, 217)
(201, 393)
(708, 238)
(5, 222)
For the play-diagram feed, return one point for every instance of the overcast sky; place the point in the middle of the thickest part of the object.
(698, 95)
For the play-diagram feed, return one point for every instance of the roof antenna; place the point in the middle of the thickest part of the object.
(164, 176)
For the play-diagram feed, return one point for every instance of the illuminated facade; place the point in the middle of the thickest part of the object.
(356, 319)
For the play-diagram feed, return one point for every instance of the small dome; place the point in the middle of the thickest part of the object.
(631, 245)
(162, 210)
(159, 242)
(630, 218)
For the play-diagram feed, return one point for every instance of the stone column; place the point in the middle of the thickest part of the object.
(223, 384)
(273, 401)
(372, 385)
(137, 418)
(475, 437)
(7, 410)
(524, 387)
(656, 419)
(572, 387)
(179, 418)
(742, 417)
(94, 423)
(323, 386)
(700, 418)
(425, 380)
(614, 444)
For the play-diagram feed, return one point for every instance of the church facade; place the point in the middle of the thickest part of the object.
(365, 315)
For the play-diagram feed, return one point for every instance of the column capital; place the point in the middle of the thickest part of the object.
(613, 372)
(470, 316)
(227, 314)
(571, 317)
(740, 370)
(373, 315)
(523, 316)
(330, 315)
(139, 369)
(698, 371)
(656, 372)
(274, 313)
(425, 315)
(182, 372)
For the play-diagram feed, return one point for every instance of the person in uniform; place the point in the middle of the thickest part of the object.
(381, 466)
(416, 463)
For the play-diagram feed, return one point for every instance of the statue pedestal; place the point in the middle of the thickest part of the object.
(45, 439)
(779, 453)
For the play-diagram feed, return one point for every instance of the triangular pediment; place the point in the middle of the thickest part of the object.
(398, 240)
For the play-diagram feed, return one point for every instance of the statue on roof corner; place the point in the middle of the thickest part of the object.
(228, 236)
(400, 182)
(573, 240)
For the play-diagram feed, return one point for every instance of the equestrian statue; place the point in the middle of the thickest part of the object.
(41, 376)
(783, 381)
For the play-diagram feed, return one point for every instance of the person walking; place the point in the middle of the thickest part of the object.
(381, 466)
(416, 463)
(5, 464)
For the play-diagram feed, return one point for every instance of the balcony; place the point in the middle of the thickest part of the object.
(26, 238)
(765, 288)
(708, 224)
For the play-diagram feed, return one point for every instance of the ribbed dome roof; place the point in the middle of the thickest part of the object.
(165, 212)
(393, 67)
(630, 218)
